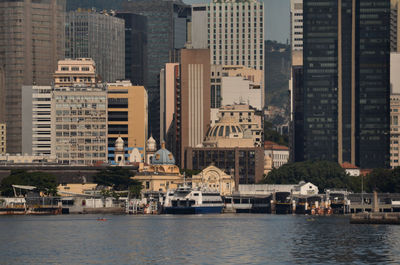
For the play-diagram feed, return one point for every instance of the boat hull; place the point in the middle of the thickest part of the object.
(193, 210)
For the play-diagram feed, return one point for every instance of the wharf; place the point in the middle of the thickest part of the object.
(375, 218)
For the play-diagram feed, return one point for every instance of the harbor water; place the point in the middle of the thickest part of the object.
(200, 239)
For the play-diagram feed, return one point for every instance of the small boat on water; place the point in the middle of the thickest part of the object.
(186, 200)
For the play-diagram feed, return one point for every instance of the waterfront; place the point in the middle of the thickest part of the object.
(204, 239)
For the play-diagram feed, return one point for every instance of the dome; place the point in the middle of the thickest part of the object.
(151, 144)
(225, 129)
(119, 144)
(163, 157)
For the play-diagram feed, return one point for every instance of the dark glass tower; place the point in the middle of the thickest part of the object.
(135, 47)
(346, 81)
(166, 30)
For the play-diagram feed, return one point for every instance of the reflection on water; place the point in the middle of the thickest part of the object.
(207, 239)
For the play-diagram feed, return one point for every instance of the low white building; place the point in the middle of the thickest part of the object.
(302, 188)
(27, 159)
(305, 188)
(279, 154)
(350, 169)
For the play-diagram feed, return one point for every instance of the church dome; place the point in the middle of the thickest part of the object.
(119, 144)
(225, 129)
(151, 144)
(163, 157)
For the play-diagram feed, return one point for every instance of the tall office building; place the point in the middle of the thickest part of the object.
(127, 117)
(166, 31)
(135, 47)
(100, 37)
(394, 26)
(32, 37)
(296, 25)
(189, 83)
(346, 81)
(233, 31)
(36, 120)
(78, 114)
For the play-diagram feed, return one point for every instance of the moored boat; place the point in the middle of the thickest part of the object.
(186, 200)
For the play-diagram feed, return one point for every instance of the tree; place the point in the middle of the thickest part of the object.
(119, 179)
(383, 180)
(44, 182)
(270, 134)
(324, 174)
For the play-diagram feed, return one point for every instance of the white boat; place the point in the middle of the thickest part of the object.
(186, 200)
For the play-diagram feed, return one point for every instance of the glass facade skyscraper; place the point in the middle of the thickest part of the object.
(346, 81)
(166, 30)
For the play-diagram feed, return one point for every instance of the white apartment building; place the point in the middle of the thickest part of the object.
(79, 133)
(296, 24)
(36, 120)
(78, 114)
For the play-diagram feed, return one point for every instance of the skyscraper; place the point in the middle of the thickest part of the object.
(346, 81)
(166, 31)
(233, 30)
(296, 25)
(135, 47)
(100, 37)
(32, 37)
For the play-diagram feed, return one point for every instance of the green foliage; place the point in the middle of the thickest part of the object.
(383, 180)
(119, 179)
(44, 182)
(324, 174)
(270, 134)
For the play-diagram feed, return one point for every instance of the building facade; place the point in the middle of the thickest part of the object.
(32, 41)
(127, 116)
(296, 25)
(193, 99)
(78, 114)
(245, 116)
(167, 26)
(394, 26)
(100, 37)
(394, 130)
(232, 30)
(246, 165)
(135, 47)
(215, 179)
(36, 120)
(278, 154)
(3, 138)
(346, 81)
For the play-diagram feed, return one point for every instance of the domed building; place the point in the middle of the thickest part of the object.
(163, 157)
(228, 133)
(151, 148)
(160, 173)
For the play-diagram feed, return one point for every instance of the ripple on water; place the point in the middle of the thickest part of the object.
(206, 239)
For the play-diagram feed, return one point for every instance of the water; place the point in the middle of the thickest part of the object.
(206, 239)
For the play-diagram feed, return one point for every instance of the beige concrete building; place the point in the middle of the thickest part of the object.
(296, 25)
(235, 84)
(27, 159)
(127, 116)
(216, 179)
(193, 99)
(78, 114)
(394, 130)
(168, 84)
(245, 116)
(31, 43)
(80, 71)
(3, 138)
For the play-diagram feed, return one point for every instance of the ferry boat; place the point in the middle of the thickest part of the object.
(186, 200)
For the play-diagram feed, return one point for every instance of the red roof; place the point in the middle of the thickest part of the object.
(347, 165)
(269, 145)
